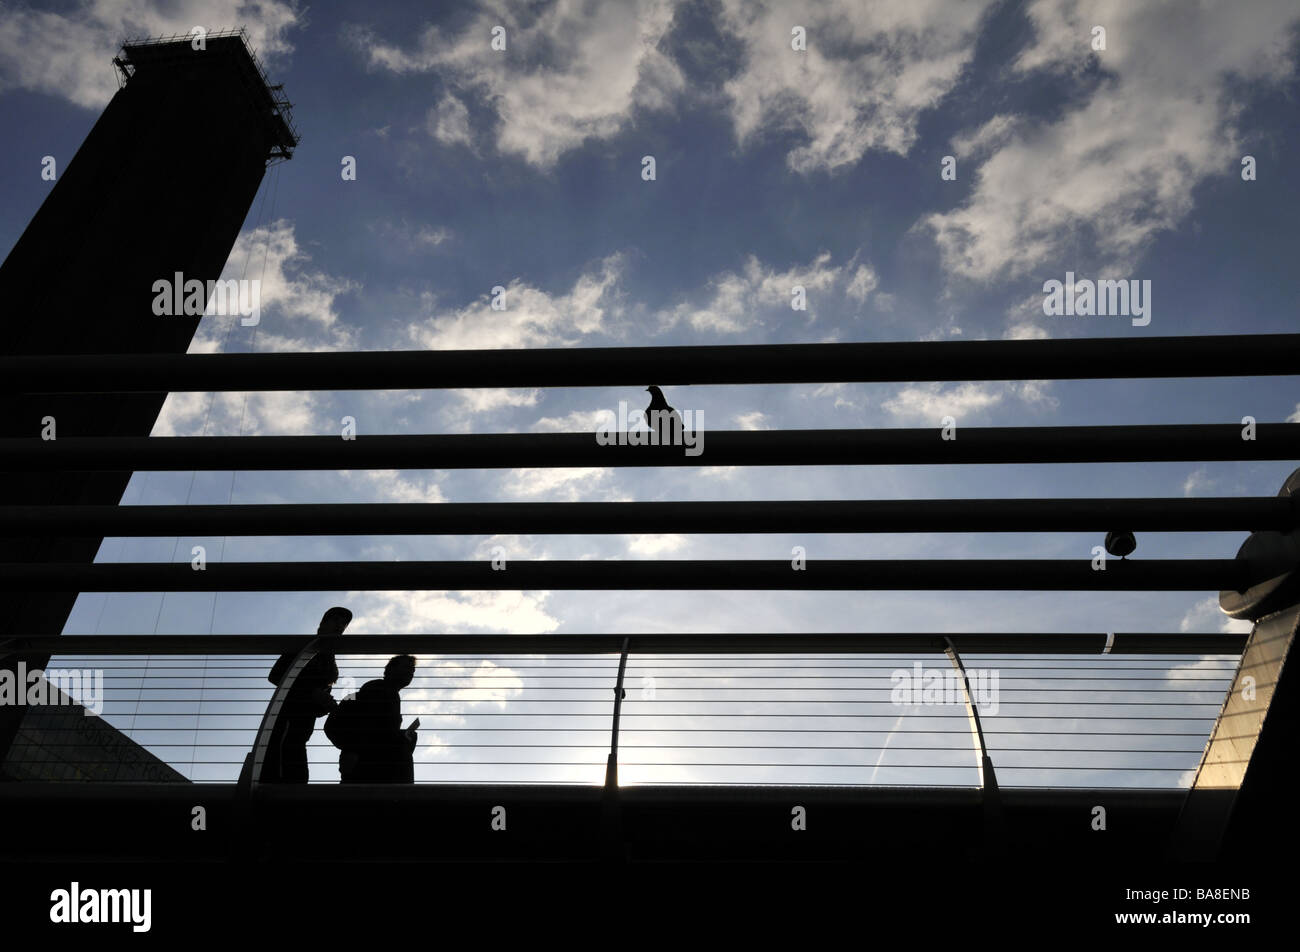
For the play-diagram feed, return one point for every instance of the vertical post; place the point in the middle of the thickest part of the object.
(252, 772)
(611, 767)
(993, 820)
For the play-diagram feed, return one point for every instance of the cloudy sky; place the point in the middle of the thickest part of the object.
(774, 167)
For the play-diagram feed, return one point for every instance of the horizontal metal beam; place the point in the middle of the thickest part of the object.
(1180, 575)
(1060, 444)
(1276, 513)
(969, 643)
(1072, 359)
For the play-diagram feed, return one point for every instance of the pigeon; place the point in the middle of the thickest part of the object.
(663, 419)
(1120, 542)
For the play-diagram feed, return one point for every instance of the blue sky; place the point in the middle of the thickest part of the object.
(774, 167)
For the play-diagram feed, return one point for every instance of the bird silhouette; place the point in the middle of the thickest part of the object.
(663, 419)
(1120, 542)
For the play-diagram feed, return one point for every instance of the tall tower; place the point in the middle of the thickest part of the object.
(161, 185)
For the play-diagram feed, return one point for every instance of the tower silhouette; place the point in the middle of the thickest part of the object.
(161, 185)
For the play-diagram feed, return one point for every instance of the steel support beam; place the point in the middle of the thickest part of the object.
(1178, 643)
(1048, 444)
(594, 518)
(1251, 355)
(1172, 575)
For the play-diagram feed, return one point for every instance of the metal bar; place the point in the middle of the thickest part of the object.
(252, 775)
(1190, 643)
(1173, 575)
(611, 768)
(1062, 444)
(987, 776)
(1074, 359)
(994, 825)
(574, 518)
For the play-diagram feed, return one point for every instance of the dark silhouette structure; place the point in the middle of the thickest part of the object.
(161, 185)
(663, 419)
(382, 752)
(309, 698)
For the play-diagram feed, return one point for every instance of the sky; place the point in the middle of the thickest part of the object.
(820, 167)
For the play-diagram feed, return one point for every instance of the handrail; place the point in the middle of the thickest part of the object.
(1224, 355)
(840, 447)
(1174, 514)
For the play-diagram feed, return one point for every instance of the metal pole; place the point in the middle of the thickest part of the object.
(1206, 442)
(994, 827)
(251, 775)
(1173, 575)
(759, 516)
(1077, 359)
(611, 767)
(911, 642)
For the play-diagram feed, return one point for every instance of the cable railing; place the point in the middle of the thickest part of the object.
(1083, 710)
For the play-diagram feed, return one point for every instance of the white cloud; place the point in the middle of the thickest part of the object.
(569, 484)
(406, 612)
(1207, 614)
(390, 485)
(1197, 481)
(70, 54)
(987, 137)
(448, 122)
(1295, 417)
(737, 302)
(570, 71)
(868, 73)
(298, 307)
(757, 420)
(1122, 166)
(579, 421)
(532, 317)
(863, 283)
(930, 402)
(410, 238)
(484, 400)
(654, 545)
(846, 396)
(265, 413)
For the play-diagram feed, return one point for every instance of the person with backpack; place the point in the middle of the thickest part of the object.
(308, 699)
(367, 729)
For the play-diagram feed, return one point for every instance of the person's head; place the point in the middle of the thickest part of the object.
(400, 670)
(334, 621)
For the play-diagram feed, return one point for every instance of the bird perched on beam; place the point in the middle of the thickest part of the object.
(663, 419)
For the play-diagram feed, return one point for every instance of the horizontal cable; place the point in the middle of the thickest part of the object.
(1182, 575)
(708, 644)
(564, 518)
(1250, 355)
(1202, 442)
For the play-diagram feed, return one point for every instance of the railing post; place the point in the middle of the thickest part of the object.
(251, 775)
(993, 819)
(612, 846)
(611, 767)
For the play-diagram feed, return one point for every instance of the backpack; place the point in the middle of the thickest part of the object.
(346, 726)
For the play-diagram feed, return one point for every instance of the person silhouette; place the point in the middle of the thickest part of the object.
(308, 699)
(382, 752)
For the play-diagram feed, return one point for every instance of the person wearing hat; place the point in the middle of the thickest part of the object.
(308, 699)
